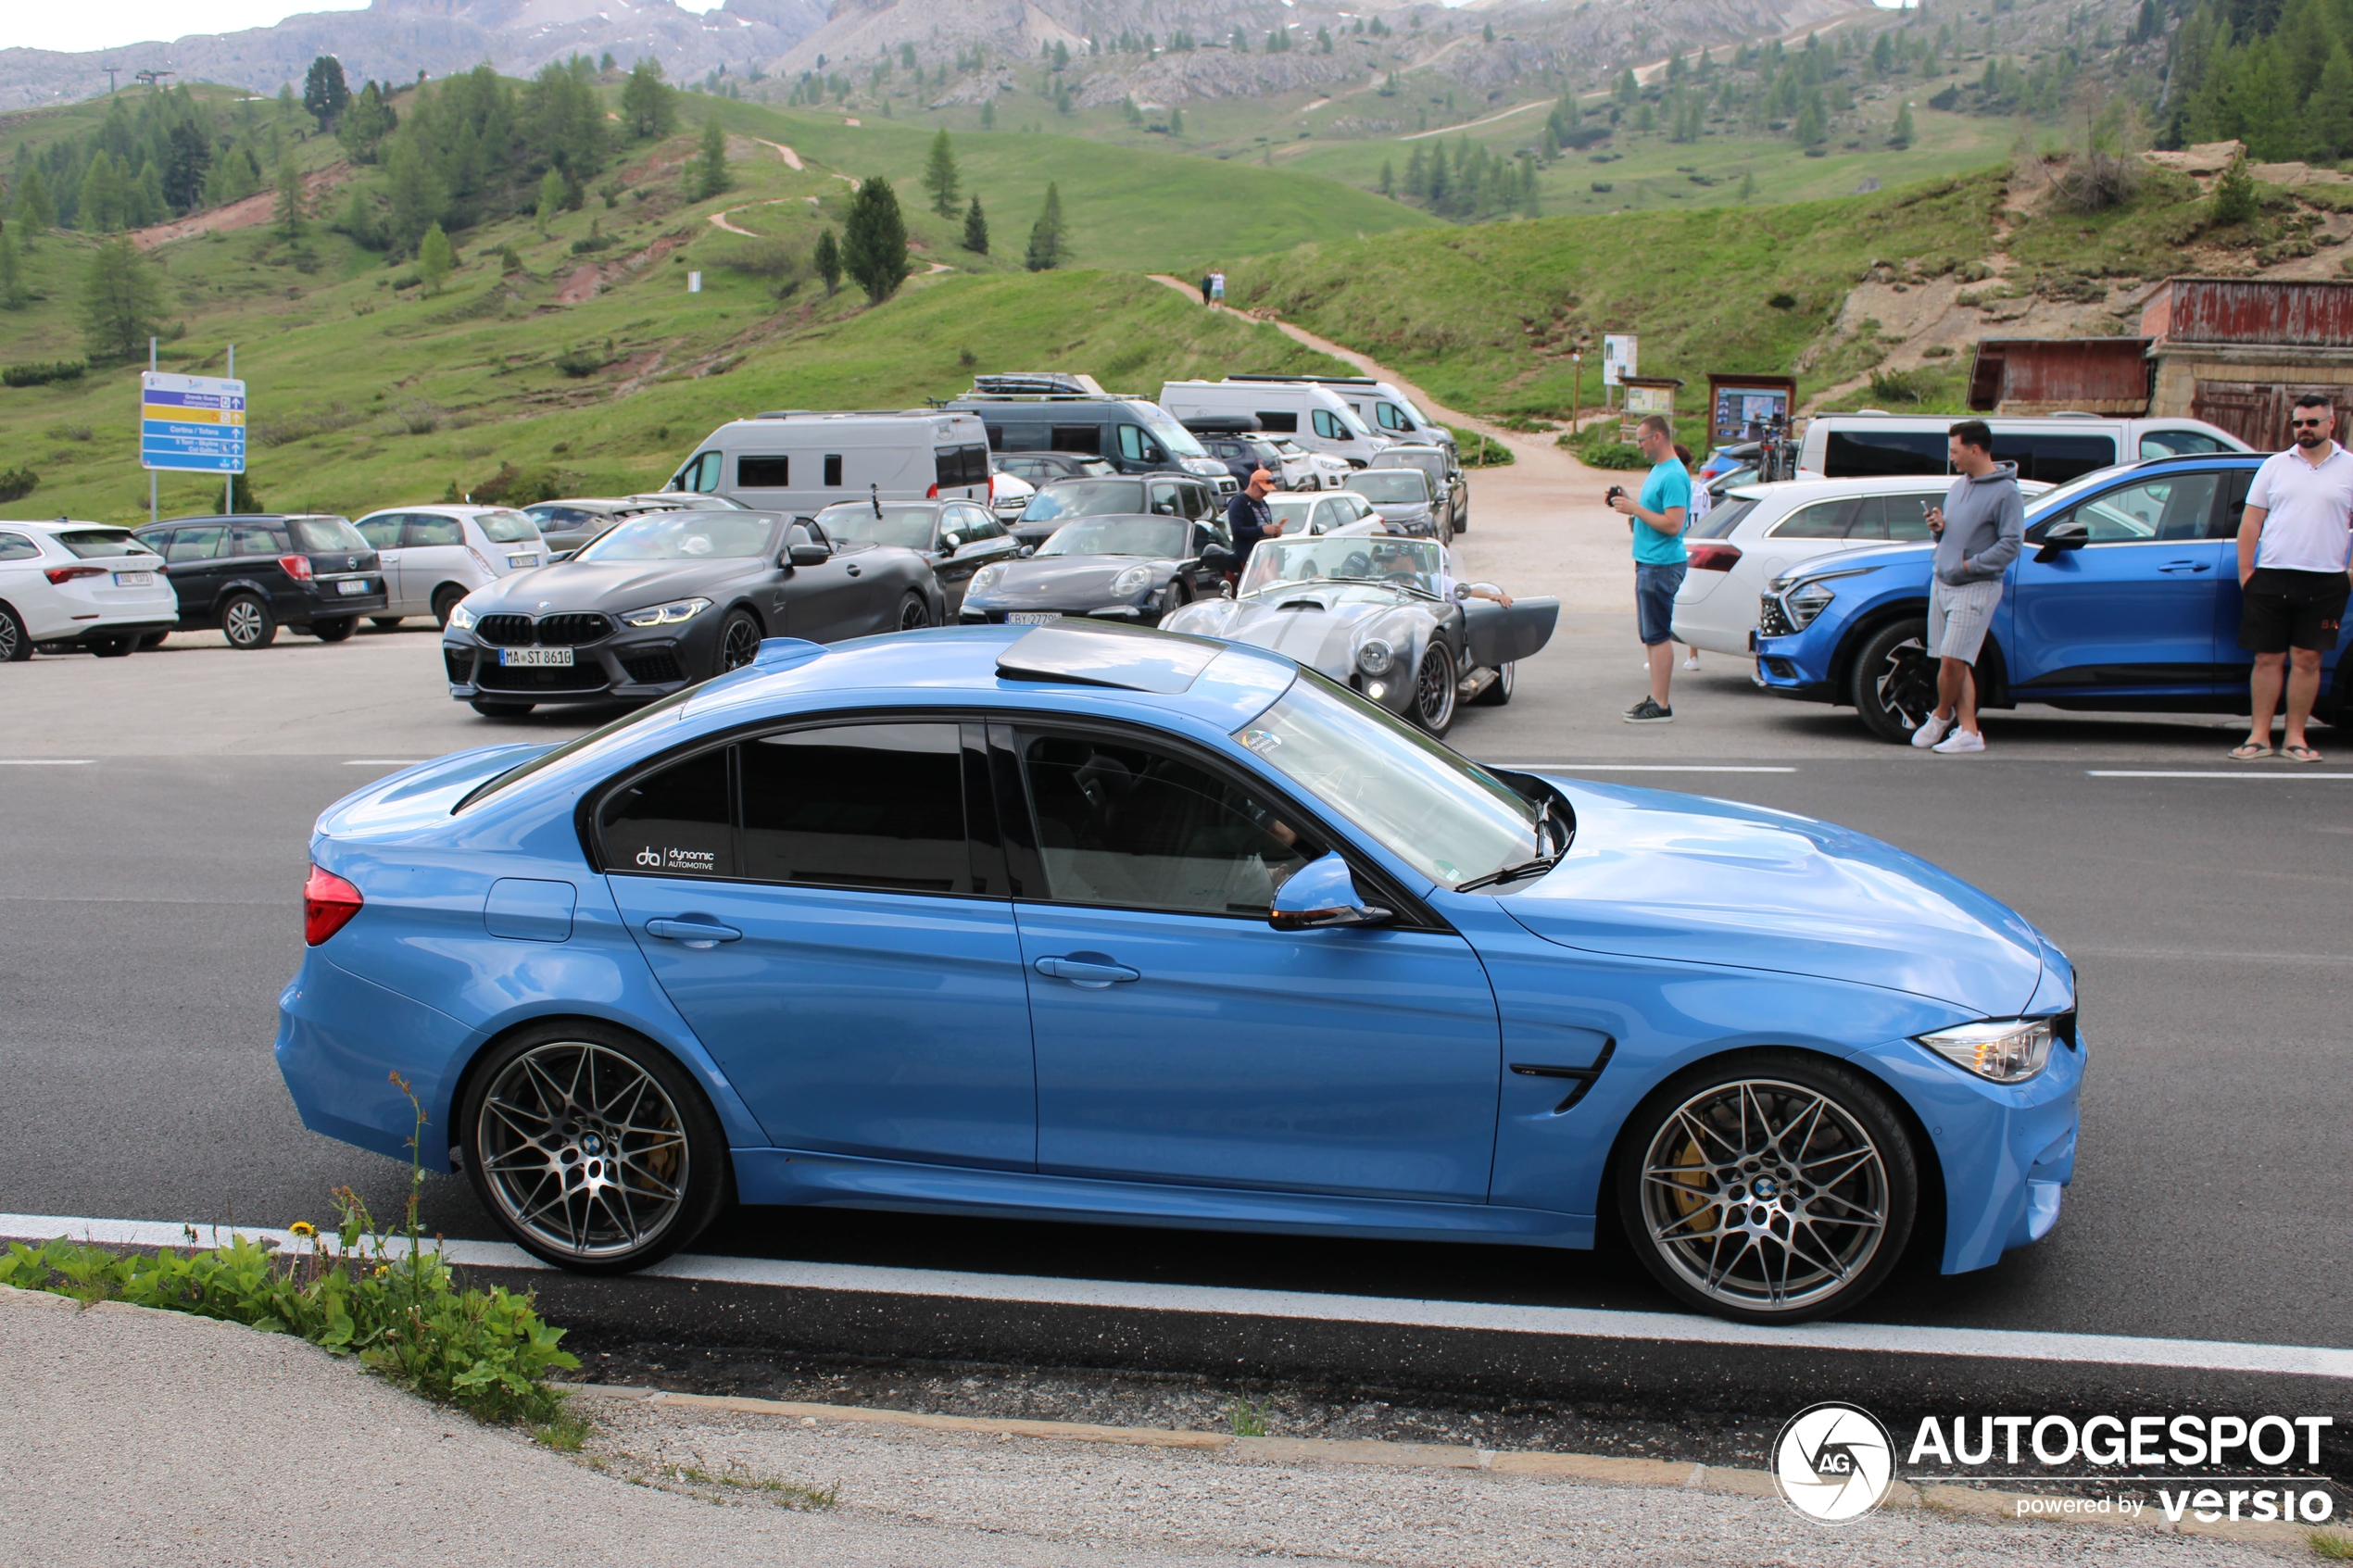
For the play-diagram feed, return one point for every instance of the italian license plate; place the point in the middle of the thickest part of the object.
(135, 579)
(519, 562)
(351, 586)
(535, 658)
(1033, 617)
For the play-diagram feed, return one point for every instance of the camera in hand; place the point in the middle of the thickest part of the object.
(1614, 491)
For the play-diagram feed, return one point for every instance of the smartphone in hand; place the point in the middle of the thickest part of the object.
(1935, 516)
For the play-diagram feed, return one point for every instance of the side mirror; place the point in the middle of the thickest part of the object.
(1216, 555)
(1027, 551)
(808, 554)
(1462, 592)
(1322, 894)
(952, 543)
(2062, 537)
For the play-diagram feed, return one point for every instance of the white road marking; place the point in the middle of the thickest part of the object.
(1584, 1323)
(47, 761)
(385, 761)
(2268, 775)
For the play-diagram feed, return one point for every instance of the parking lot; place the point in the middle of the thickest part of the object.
(159, 806)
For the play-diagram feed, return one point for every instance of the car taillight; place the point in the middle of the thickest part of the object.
(932, 494)
(68, 574)
(1711, 556)
(296, 567)
(328, 904)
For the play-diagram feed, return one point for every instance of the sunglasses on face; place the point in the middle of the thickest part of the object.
(2306, 424)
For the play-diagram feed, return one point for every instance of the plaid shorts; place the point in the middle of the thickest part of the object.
(1960, 616)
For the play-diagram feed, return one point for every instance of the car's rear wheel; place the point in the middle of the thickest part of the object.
(152, 640)
(1498, 692)
(16, 643)
(1894, 680)
(445, 599)
(334, 631)
(248, 623)
(490, 710)
(1434, 688)
(384, 623)
(1774, 1187)
(592, 1148)
(913, 613)
(738, 641)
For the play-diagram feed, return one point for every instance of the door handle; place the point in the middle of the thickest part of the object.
(853, 570)
(1094, 972)
(2181, 566)
(693, 933)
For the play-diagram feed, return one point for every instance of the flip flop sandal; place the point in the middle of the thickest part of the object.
(2299, 754)
(2252, 752)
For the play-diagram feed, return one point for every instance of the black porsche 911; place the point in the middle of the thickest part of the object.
(669, 598)
(1133, 567)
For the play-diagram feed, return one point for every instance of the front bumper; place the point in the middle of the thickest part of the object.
(1795, 664)
(996, 612)
(628, 665)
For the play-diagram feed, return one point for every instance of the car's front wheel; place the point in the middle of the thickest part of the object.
(1435, 680)
(1894, 680)
(445, 599)
(1774, 1187)
(738, 642)
(592, 1147)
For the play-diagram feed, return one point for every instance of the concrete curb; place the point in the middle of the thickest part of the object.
(1600, 1469)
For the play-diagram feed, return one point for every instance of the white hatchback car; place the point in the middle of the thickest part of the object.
(432, 557)
(1756, 531)
(1344, 513)
(67, 584)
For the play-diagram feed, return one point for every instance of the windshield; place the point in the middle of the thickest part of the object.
(1414, 563)
(903, 525)
(1056, 502)
(1448, 818)
(1162, 538)
(1176, 437)
(1723, 517)
(683, 536)
(1391, 486)
(89, 543)
(509, 528)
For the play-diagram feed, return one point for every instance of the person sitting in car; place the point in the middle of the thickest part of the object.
(1401, 568)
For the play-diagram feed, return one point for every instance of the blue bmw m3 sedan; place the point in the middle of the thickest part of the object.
(1091, 922)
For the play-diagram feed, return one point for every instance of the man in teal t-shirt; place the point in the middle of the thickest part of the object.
(1658, 516)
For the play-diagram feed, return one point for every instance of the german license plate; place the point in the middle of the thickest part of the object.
(351, 586)
(135, 579)
(535, 658)
(1033, 617)
(519, 562)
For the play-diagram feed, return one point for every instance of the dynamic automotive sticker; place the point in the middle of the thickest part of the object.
(696, 861)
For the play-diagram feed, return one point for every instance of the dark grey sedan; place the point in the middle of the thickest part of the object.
(958, 537)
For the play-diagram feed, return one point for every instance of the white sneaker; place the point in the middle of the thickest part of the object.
(1692, 663)
(1959, 741)
(1931, 730)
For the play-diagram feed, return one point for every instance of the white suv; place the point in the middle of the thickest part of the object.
(432, 557)
(66, 584)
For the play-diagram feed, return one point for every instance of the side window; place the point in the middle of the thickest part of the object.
(1327, 425)
(1392, 416)
(946, 466)
(1281, 419)
(701, 474)
(976, 523)
(1077, 438)
(975, 465)
(1131, 443)
(875, 806)
(1873, 454)
(425, 528)
(674, 822)
(1907, 524)
(1021, 438)
(1134, 829)
(1165, 501)
(2055, 458)
(2168, 443)
(249, 541)
(2227, 516)
(1823, 519)
(832, 470)
(16, 547)
(765, 473)
(2176, 506)
(382, 529)
(194, 544)
(1202, 501)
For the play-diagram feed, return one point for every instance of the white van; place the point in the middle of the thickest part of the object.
(1383, 407)
(800, 461)
(2051, 447)
(1310, 413)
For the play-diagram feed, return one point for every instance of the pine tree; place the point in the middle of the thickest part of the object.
(1048, 248)
(939, 175)
(1175, 122)
(710, 175)
(1748, 188)
(324, 91)
(2328, 113)
(1388, 178)
(1901, 136)
(649, 104)
(289, 212)
(988, 114)
(874, 248)
(2234, 196)
(827, 260)
(34, 210)
(13, 294)
(436, 259)
(100, 209)
(975, 229)
(121, 301)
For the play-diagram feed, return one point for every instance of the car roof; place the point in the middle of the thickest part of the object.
(61, 525)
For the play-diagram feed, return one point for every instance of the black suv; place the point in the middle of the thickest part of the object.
(253, 574)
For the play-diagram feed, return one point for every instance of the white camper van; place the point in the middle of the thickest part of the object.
(1314, 415)
(1388, 412)
(801, 460)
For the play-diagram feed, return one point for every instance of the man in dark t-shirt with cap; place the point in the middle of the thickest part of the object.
(1249, 519)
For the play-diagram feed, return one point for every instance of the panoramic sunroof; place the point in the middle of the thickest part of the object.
(1100, 654)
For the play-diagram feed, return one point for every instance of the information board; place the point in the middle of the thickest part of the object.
(192, 423)
(1617, 356)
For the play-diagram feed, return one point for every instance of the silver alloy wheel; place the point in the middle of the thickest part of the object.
(583, 1149)
(12, 645)
(242, 622)
(739, 644)
(1434, 689)
(1763, 1195)
(1901, 682)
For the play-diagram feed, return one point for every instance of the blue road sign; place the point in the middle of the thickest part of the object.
(192, 423)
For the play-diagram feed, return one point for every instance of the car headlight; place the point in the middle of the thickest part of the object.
(1375, 657)
(1135, 580)
(987, 577)
(670, 614)
(463, 618)
(1805, 601)
(2006, 1050)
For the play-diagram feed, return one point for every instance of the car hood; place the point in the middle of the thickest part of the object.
(1658, 875)
(1320, 630)
(608, 585)
(1870, 558)
(1056, 581)
(1401, 508)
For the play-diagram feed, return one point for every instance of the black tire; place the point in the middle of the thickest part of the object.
(1435, 680)
(1173, 598)
(337, 630)
(915, 613)
(245, 620)
(384, 623)
(113, 648)
(1446, 529)
(631, 1156)
(1461, 520)
(1498, 692)
(1893, 683)
(16, 643)
(152, 640)
(490, 710)
(445, 599)
(1700, 1169)
(738, 642)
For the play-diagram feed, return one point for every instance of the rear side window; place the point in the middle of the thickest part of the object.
(326, 533)
(2054, 459)
(1076, 438)
(561, 517)
(1883, 454)
(763, 474)
(196, 544)
(16, 547)
(976, 464)
(247, 541)
(672, 822)
(507, 528)
(1848, 517)
(832, 470)
(92, 543)
(1020, 438)
(875, 806)
(1278, 418)
(425, 528)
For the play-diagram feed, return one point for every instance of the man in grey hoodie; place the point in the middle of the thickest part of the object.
(1978, 532)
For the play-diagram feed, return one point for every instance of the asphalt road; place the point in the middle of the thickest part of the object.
(150, 876)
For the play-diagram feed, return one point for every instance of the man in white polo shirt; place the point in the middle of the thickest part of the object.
(2295, 550)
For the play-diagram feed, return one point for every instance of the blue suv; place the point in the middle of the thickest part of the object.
(2126, 598)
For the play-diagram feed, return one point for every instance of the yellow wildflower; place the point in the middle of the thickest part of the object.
(304, 1229)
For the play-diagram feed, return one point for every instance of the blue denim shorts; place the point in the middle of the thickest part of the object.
(1655, 588)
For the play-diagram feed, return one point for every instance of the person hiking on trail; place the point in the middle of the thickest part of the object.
(1216, 287)
(1207, 280)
